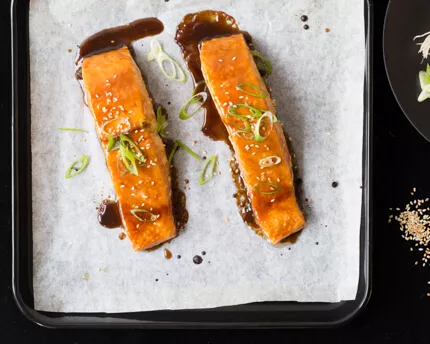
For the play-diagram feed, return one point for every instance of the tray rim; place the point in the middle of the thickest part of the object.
(42, 318)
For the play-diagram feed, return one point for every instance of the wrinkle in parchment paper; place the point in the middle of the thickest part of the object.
(317, 83)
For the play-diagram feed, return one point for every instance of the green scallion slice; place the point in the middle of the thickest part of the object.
(263, 64)
(157, 54)
(161, 122)
(145, 215)
(132, 147)
(244, 134)
(270, 161)
(113, 144)
(180, 144)
(200, 97)
(208, 170)
(73, 130)
(257, 135)
(241, 87)
(266, 188)
(77, 166)
(127, 157)
(253, 111)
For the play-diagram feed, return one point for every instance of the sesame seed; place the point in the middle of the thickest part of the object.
(97, 96)
(220, 60)
(114, 76)
(234, 58)
(122, 186)
(272, 200)
(104, 109)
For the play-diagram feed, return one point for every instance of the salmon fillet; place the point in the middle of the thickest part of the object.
(120, 104)
(227, 63)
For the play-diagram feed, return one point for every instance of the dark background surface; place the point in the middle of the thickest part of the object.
(398, 309)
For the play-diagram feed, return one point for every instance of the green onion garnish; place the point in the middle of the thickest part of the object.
(128, 159)
(134, 149)
(73, 130)
(263, 64)
(266, 188)
(253, 111)
(196, 98)
(209, 167)
(82, 161)
(244, 134)
(257, 136)
(149, 217)
(270, 161)
(113, 144)
(260, 94)
(425, 84)
(179, 144)
(160, 56)
(161, 122)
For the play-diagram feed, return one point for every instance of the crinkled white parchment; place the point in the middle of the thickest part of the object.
(318, 85)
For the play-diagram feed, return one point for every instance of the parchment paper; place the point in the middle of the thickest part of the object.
(318, 85)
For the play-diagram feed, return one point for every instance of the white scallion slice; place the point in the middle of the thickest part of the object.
(77, 166)
(144, 215)
(157, 54)
(270, 161)
(200, 98)
(424, 45)
(424, 78)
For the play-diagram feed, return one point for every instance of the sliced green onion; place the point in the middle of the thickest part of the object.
(179, 144)
(270, 161)
(113, 144)
(253, 111)
(266, 188)
(244, 134)
(200, 97)
(82, 161)
(261, 94)
(160, 56)
(134, 149)
(257, 136)
(151, 217)
(121, 120)
(208, 170)
(128, 159)
(73, 130)
(161, 122)
(266, 67)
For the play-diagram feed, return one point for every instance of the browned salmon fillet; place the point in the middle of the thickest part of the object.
(241, 97)
(121, 108)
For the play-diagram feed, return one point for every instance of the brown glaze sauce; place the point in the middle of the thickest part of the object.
(167, 254)
(117, 37)
(195, 28)
(179, 199)
(109, 215)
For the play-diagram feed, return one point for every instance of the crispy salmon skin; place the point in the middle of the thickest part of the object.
(122, 109)
(241, 98)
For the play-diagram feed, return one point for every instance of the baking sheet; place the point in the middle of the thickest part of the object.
(318, 85)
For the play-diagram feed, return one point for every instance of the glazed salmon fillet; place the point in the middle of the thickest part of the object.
(122, 110)
(232, 78)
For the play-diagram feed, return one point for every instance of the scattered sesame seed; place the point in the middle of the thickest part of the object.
(220, 60)
(234, 58)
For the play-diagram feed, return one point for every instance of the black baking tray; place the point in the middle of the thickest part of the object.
(256, 315)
